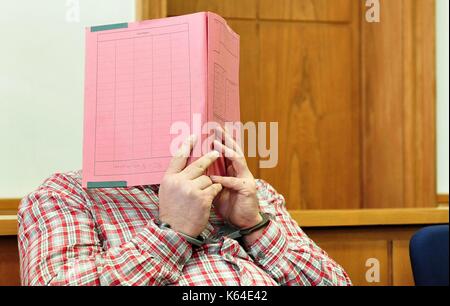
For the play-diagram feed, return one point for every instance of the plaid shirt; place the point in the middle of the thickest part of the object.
(72, 236)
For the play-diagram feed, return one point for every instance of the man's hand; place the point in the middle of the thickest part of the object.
(237, 203)
(186, 194)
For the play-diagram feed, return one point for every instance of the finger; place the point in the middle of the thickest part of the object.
(203, 182)
(213, 190)
(238, 161)
(229, 182)
(224, 136)
(230, 171)
(178, 162)
(229, 153)
(198, 167)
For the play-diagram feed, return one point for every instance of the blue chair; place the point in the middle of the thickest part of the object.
(429, 256)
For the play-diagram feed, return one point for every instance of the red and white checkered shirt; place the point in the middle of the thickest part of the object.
(74, 236)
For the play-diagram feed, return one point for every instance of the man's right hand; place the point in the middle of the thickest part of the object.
(186, 194)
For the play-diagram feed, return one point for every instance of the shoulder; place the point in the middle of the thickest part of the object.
(267, 194)
(263, 188)
(59, 189)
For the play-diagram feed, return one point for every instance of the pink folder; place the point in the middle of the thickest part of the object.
(140, 79)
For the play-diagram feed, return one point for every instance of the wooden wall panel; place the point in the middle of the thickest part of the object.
(352, 256)
(402, 271)
(307, 81)
(442, 199)
(409, 106)
(399, 106)
(355, 100)
(307, 10)
(353, 246)
(228, 8)
(303, 76)
(383, 109)
(425, 99)
(9, 261)
(150, 9)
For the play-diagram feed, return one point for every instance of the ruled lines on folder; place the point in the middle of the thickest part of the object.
(143, 85)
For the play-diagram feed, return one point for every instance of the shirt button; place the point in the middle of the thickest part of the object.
(261, 255)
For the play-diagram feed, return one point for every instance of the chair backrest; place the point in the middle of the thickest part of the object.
(429, 256)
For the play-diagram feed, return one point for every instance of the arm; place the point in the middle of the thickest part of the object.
(284, 251)
(59, 245)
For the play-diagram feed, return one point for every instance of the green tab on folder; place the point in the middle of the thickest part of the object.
(109, 27)
(117, 184)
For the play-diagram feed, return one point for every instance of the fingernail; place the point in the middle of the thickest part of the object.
(214, 153)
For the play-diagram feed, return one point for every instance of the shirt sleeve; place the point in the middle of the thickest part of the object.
(59, 245)
(286, 252)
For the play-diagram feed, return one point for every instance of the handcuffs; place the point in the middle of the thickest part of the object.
(227, 231)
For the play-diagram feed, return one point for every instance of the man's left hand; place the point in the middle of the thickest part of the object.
(237, 203)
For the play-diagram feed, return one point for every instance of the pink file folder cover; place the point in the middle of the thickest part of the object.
(142, 77)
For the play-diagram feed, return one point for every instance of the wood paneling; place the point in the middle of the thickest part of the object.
(227, 9)
(307, 10)
(352, 247)
(442, 199)
(425, 99)
(355, 101)
(383, 121)
(402, 271)
(354, 255)
(307, 86)
(370, 217)
(8, 216)
(9, 262)
(150, 9)
(8, 224)
(399, 104)
(9, 204)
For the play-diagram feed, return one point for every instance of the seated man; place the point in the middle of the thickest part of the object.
(148, 235)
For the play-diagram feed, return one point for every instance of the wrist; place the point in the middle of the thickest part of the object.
(177, 228)
(194, 240)
(252, 222)
(185, 231)
(254, 233)
(252, 237)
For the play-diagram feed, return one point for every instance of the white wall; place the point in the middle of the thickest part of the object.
(442, 93)
(41, 85)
